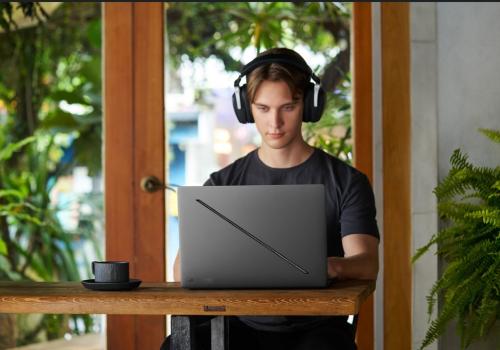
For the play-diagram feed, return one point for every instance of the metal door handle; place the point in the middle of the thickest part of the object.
(152, 184)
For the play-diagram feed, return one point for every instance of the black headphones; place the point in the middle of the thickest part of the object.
(314, 95)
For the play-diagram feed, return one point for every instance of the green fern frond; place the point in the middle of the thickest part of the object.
(452, 185)
(458, 160)
(465, 236)
(482, 316)
(496, 185)
(422, 250)
(462, 291)
(456, 211)
(488, 216)
(483, 233)
(493, 135)
(466, 177)
(448, 312)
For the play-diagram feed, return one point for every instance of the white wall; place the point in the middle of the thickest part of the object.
(378, 172)
(468, 79)
(455, 90)
(424, 162)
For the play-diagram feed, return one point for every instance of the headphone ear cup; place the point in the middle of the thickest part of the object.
(244, 114)
(313, 114)
(245, 104)
(240, 113)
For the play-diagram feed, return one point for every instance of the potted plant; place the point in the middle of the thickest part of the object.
(469, 287)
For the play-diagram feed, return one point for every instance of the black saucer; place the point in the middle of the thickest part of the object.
(92, 284)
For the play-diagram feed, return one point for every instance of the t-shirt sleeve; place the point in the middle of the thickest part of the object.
(213, 180)
(357, 214)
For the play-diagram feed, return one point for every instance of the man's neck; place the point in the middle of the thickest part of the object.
(286, 157)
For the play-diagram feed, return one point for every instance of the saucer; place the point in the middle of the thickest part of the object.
(130, 284)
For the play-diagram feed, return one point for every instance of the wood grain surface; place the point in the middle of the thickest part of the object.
(342, 298)
(134, 145)
(362, 120)
(396, 125)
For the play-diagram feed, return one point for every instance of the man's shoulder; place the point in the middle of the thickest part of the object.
(338, 166)
(231, 172)
(338, 172)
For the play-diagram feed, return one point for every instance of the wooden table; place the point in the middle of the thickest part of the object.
(341, 298)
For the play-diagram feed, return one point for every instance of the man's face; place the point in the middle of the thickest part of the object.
(277, 115)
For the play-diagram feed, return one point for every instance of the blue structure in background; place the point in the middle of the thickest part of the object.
(185, 128)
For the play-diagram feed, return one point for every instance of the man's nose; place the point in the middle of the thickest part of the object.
(275, 119)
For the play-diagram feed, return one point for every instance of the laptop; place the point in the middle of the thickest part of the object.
(259, 236)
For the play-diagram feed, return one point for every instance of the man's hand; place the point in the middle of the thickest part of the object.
(360, 259)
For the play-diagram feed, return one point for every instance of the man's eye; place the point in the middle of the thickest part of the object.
(261, 108)
(289, 108)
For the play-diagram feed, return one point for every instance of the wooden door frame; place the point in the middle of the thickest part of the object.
(396, 162)
(396, 153)
(134, 148)
(362, 120)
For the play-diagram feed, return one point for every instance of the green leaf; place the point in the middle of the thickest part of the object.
(5, 267)
(91, 70)
(11, 193)
(69, 96)
(3, 247)
(94, 34)
(493, 135)
(60, 121)
(11, 148)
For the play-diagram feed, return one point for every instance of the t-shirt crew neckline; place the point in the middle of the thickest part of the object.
(279, 170)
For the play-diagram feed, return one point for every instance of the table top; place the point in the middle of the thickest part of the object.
(168, 298)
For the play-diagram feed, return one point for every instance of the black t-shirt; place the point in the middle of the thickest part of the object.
(350, 208)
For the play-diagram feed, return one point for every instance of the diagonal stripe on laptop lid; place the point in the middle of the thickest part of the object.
(250, 235)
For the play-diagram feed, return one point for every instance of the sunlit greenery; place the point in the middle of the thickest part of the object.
(50, 122)
(201, 30)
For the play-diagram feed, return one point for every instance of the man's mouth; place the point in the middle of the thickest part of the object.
(275, 135)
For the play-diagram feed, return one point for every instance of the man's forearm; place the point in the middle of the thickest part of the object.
(177, 268)
(361, 266)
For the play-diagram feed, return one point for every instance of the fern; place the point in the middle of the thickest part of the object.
(469, 204)
(493, 135)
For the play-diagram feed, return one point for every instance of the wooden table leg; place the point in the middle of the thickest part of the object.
(182, 333)
(218, 329)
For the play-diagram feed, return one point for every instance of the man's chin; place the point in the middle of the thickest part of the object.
(276, 144)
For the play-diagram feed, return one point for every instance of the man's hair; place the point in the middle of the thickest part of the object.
(295, 78)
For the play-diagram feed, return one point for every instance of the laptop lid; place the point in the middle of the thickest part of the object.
(259, 236)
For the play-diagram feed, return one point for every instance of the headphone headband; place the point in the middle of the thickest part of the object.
(297, 62)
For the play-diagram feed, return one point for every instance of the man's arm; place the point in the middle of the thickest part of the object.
(360, 259)
(177, 268)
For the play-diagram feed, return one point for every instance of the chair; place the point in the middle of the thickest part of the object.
(183, 335)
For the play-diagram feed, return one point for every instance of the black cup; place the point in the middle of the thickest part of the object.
(110, 271)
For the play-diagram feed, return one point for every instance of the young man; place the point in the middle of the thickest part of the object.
(278, 97)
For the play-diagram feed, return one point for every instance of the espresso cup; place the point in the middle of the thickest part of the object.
(110, 271)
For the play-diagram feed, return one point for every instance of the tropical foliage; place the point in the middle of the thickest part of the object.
(227, 29)
(469, 202)
(50, 65)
